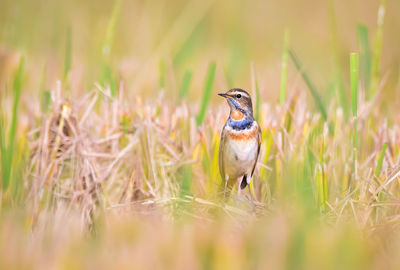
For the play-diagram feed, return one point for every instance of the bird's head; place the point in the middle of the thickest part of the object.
(239, 100)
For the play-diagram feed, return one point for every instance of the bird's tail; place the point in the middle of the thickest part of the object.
(244, 183)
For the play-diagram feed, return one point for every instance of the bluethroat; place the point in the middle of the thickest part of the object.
(240, 142)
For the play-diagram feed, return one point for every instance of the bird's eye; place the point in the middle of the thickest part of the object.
(238, 95)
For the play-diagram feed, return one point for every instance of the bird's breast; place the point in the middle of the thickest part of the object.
(240, 150)
(242, 135)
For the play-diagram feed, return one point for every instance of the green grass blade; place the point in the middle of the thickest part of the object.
(17, 85)
(20, 155)
(317, 98)
(189, 46)
(68, 53)
(378, 49)
(380, 160)
(111, 28)
(378, 168)
(185, 176)
(338, 81)
(3, 149)
(206, 93)
(8, 147)
(107, 76)
(183, 91)
(354, 65)
(45, 100)
(108, 79)
(44, 95)
(282, 96)
(365, 56)
(342, 95)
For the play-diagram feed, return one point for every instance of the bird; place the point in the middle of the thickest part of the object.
(240, 142)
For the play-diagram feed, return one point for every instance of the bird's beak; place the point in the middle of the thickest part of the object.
(224, 95)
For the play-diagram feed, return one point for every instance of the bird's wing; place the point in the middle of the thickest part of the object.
(258, 149)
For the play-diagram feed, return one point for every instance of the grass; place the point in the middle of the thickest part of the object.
(282, 96)
(185, 84)
(7, 139)
(206, 93)
(354, 93)
(107, 76)
(354, 65)
(377, 50)
(256, 93)
(378, 168)
(109, 154)
(313, 90)
(365, 56)
(335, 51)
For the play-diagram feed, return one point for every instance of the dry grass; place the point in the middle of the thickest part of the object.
(106, 189)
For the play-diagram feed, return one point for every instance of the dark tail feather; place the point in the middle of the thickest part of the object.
(243, 184)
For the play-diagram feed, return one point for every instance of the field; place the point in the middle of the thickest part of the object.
(110, 125)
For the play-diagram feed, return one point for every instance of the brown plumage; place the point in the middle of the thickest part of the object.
(240, 141)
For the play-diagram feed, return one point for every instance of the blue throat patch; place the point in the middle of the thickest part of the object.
(240, 125)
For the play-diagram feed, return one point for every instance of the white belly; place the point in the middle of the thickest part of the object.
(240, 156)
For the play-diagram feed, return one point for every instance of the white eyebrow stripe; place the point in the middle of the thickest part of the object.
(242, 93)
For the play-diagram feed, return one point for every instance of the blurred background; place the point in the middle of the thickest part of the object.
(181, 36)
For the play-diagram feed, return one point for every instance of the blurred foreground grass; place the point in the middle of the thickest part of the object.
(109, 134)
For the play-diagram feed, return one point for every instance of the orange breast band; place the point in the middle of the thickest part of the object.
(242, 135)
